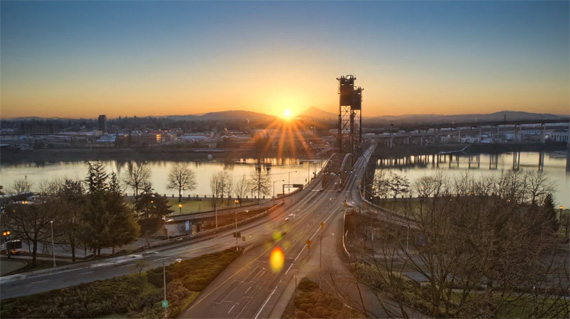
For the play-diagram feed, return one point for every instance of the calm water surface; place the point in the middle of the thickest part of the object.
(295, 170)
(554, 167)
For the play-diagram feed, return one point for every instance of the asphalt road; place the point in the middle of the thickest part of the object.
(72, 275)
(249, 288)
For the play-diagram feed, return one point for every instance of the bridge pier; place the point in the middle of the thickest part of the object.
(516, 161)
(493, 161)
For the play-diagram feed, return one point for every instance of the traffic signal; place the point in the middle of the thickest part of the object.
(322, 225)
(309, 242)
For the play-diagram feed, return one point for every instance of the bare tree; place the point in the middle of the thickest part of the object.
(138, 175)
(181, 178)
(31, 221)
(226, 182)
(381, 183)
(20, 186)
(399, 185)
(260, 182)
(242, 187)
(538, 186)
(479, 254)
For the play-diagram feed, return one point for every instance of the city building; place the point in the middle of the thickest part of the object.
(103, 123)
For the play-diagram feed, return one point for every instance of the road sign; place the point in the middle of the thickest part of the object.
(165, 304)
(187, 225)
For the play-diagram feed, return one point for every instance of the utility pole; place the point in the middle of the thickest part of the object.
(235, 215)
(164, 285)
(321, 252)
(408, 239)
(52, 242)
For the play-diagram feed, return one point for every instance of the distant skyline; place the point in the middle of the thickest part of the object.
(127, 58)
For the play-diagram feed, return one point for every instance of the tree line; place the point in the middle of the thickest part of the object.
(92, 214)
(485, 247)
(95, 213)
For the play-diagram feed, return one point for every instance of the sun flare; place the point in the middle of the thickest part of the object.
(287, 114)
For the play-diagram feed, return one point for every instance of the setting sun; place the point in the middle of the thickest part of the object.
(287, 114)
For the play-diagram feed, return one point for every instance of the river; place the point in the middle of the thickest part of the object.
(281, 171)
(553, 164)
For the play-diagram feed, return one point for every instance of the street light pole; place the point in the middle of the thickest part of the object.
(52, 242)
(289, 182)
(164, 285)
(235, 216)
(408, 240)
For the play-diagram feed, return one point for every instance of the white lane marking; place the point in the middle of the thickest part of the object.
(265, 303)
(247, 290)
(242, 309)
(37, 282)
(85, 273)
(289, 268)
(269, 297)
(232, 308)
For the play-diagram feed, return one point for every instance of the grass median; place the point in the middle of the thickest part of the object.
(134, 296)
(309, 301)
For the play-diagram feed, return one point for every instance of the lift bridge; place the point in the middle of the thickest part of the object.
(349, 139)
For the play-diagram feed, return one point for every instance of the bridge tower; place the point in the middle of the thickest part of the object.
(349, 115)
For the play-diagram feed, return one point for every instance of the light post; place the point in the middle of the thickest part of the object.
(408, 240)
(180, 208)
(567, 220)
(164, 301)
(236, 202)
(52, 242)
(289, 182)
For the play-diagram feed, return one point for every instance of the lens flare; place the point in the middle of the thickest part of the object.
(276, 260)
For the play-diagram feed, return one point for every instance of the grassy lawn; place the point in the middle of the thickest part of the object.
(133, 296)
(309, 301)
(401, 207)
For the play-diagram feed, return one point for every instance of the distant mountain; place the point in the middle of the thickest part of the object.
(223, 116)
(316, 114)
(183, 117)
(237, 115)
(464, 118)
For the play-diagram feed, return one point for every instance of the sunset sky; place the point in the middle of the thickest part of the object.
(125, 58)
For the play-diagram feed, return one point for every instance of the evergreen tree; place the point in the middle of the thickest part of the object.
(122, 224)
(151, 208)
(95, 227)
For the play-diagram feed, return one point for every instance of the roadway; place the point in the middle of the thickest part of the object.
(72, 275)
(249, 288)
